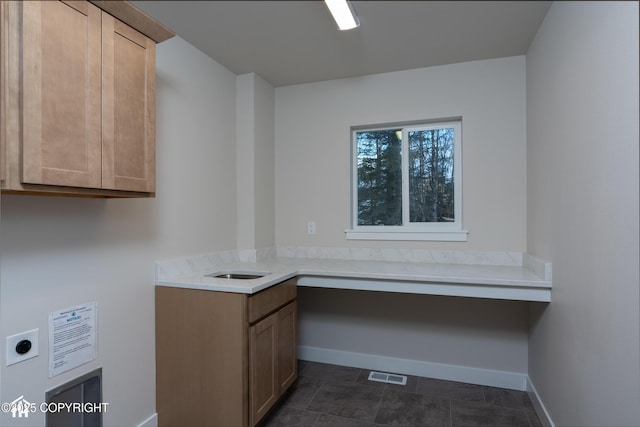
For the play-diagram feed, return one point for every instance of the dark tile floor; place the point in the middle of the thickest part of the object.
(339, 396)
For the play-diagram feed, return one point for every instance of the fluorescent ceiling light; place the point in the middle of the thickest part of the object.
(343, 13)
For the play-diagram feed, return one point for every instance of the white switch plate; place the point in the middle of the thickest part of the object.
(311, 227)
(12, 355)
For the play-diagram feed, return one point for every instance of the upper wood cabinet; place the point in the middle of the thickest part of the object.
(79, 99)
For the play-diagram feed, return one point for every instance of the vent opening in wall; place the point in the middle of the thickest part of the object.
(384, 377)
(85, 393)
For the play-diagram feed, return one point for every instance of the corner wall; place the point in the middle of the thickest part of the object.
(582, 196)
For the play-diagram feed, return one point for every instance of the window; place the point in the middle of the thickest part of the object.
(407, 182)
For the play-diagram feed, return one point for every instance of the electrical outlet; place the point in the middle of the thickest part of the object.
(311, 227)
(22, 346)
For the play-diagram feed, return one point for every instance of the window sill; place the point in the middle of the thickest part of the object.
(439, 236)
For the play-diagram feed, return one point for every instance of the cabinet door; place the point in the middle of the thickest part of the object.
(61, 93)
(273, 361)
(128, 102)
(263, 383)
(287, 355)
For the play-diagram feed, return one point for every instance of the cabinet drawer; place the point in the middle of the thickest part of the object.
(269, 300)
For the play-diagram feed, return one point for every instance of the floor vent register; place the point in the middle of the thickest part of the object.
(383, 377)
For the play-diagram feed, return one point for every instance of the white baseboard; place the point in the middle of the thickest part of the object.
(541, 410)
(488, 377)
(152, 421)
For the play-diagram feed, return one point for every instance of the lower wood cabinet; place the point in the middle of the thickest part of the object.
(223, 359)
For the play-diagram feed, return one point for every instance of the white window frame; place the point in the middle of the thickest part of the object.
(433, 231)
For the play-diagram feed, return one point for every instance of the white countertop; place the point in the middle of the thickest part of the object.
(513, 282)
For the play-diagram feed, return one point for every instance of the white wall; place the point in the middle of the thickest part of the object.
(582, 160)
(255, 162)
(196, 149)
(265, 196)
(313, 148)
(59, 252)
(313, 183)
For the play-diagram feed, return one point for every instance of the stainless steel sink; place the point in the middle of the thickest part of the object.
(236, 275)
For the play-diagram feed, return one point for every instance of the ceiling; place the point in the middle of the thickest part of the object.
(294, 42)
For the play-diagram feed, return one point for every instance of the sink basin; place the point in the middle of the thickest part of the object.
(237, 275)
